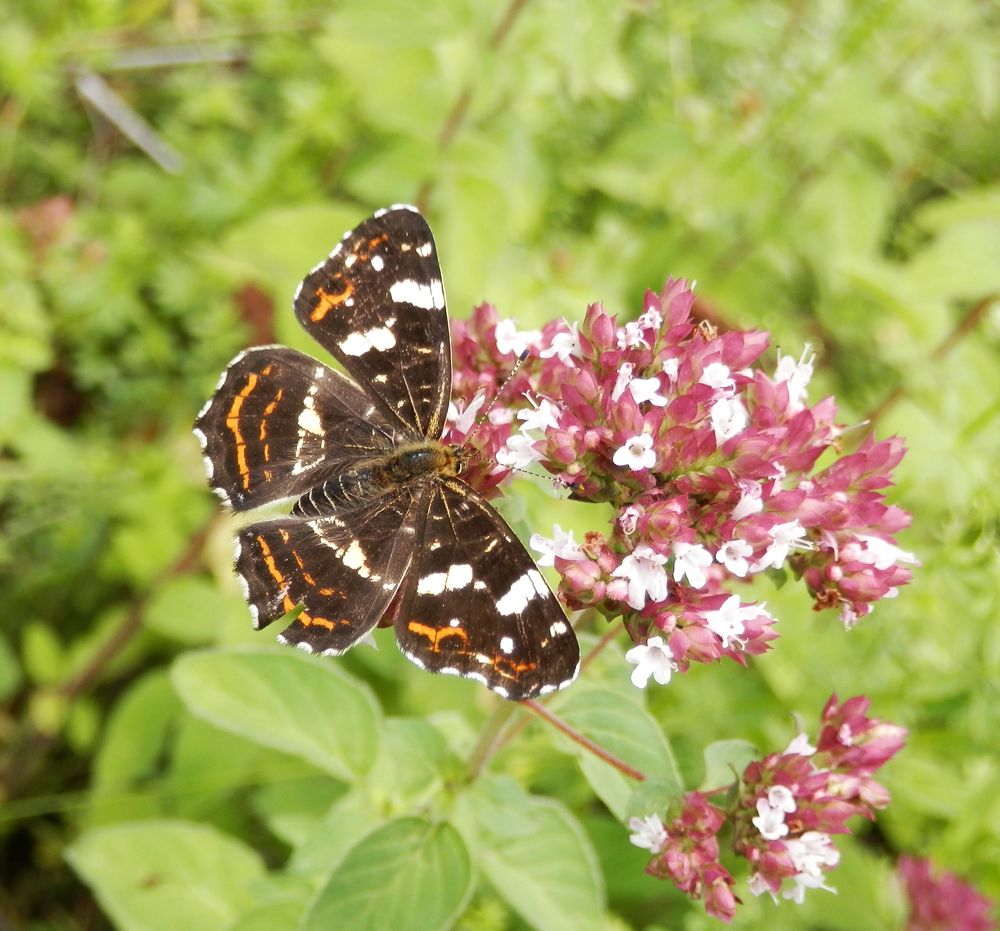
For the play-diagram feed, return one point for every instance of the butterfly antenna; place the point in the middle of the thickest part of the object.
(482, 418)
(560, 483)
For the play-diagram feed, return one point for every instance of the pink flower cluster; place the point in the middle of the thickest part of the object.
(940, 901)
(787, 807)
(792, 802)
(687, 853)
(708, 460)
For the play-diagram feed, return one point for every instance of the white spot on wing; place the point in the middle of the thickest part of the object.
(354, 558)
(377, 263)
(519, 594)
(432, 584)
(355, 345)
(557, 628)
(302, 645)
(309, 421)
(424, 249)
(506, 645)
(429, 296)
(379, 338)
(459, 575)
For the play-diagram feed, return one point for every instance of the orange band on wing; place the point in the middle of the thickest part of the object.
(436, 634)
(328, 301)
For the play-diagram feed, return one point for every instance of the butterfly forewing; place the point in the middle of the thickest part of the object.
(474, 604)
(383, 528)
(278, 422)
(377, 305)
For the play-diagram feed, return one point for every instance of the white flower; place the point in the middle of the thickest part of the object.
(637, 453)
(670, 368)
(845, 736)
(810, 853)
(758, 885)
(463, 421)
(652, 658)
(511, 340)
(643, 569)
(691, 560)
(501, 415)
(781, 797)
(518, 452)
(784, 537)
(751, 501)
(716, 375)
(729, 417)
(651, 319)
(647, 389)
(630, 336)
(796, 375)
(648, 833)
(621, 382)
(728, 621)
(541, 416)
(565, 344)
(733, 555)
(800, 745)
(876, 552)
(769, 821)
(562, 545)
(629, 518)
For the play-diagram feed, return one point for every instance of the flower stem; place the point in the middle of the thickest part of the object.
(489, 739)
(585, 742)
(598, 647)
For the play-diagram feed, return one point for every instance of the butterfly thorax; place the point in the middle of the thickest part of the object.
(406, 464)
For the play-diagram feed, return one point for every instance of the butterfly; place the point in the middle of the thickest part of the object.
(383, 529)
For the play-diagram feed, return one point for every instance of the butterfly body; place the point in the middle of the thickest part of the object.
(383, 529)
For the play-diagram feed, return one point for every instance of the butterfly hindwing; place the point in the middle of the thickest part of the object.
(279, 422)
(343, 579)
(377, 305)
(475, 605)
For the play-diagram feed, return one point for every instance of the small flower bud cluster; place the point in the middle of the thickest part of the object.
(709, 462)
(788, 807)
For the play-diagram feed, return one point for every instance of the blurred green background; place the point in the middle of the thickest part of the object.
(828, 170)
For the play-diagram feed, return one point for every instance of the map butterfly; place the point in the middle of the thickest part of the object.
(383, 529)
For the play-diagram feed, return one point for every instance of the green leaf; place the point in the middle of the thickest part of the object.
(135, 735)
(725, 761)
(412, 762)
(626, 731)
(536, 856)
(408, 875)
(348, 820)
(188, 609)
(652, 797)
(285, 700)
(153, 875)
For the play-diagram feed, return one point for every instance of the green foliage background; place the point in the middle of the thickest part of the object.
(828, 170)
